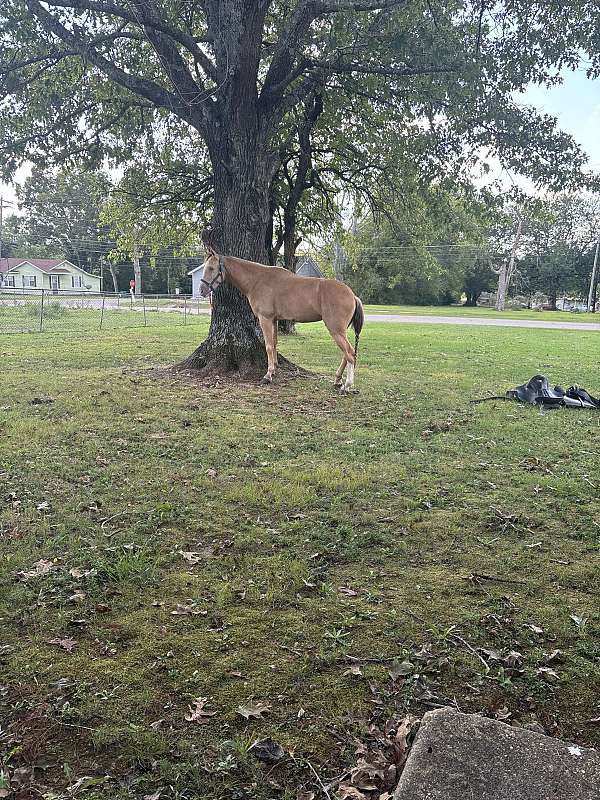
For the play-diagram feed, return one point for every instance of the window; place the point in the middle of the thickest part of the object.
(29, 281)
(9, 280)
(77, 281)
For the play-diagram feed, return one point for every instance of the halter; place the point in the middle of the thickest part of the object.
(220, 276)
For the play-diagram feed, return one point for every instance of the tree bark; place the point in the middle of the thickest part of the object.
(137, 270)
(113, 275)
(506, 271)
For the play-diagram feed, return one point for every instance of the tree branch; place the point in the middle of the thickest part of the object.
(185, 39)
(292, 36)
(149, 89)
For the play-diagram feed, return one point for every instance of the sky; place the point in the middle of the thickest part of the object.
(575, 103)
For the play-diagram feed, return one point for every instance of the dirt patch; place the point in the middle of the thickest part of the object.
(211, 378)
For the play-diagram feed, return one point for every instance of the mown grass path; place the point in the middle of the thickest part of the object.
(453, 545)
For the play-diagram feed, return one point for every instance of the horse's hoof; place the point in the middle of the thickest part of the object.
(267, 381)
(343, 390)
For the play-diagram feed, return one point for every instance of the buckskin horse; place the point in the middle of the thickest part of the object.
(275, 293)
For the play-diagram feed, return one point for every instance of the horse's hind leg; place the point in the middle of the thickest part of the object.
(342, 342)
(340, 371)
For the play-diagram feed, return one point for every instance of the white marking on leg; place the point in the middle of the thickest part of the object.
(349, 376)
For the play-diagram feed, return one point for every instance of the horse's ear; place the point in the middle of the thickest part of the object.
(207, 236)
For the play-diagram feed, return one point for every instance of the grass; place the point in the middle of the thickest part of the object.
(398, 524)
(480, 311)
(56, 316)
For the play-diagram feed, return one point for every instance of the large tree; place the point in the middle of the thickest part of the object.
(93, 78)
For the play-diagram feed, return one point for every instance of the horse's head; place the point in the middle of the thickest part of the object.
(213, 272)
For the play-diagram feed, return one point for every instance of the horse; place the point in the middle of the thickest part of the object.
(275, 293)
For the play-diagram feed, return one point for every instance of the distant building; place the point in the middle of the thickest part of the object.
(54, 274)
(307, 268)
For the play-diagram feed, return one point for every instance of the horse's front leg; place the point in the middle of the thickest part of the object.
(267, 328)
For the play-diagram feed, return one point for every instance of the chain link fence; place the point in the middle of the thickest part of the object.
(47, 310)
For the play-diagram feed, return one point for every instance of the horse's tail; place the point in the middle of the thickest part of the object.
(357, 322)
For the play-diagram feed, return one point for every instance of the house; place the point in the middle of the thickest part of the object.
(306, 267)
(54, 274)
(196, 275)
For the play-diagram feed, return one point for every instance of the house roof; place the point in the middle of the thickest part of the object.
(56, 265)
(44, 264)
(307, 268)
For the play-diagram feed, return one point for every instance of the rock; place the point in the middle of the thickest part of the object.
(457, 756)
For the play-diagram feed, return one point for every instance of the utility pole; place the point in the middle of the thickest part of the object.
(3, 204)
(591, 303)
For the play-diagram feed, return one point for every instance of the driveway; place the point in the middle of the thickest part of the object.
(501, 323)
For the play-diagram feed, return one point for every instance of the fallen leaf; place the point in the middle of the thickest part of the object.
(575, 751)
(197, 712)
(85, 783)
(254, 712)
(348, 592)
(348, 792)
(267, 750)
(549, 675)
(354, 669)
(581, 622)
(154, 796)
(536, 629)
(77, 597)
(212, 473)
(39, 569)
(78, 572)
(66, 644)
(192, 557)
(43, 506)
(41, 401)
(187, 611)
(555, 657)
(400, 669)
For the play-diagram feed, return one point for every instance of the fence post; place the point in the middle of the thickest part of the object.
(185, 310)
(144, 307)
(42, 312)
(102, 312)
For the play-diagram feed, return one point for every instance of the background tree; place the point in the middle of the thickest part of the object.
(143, 222)
(556, 256)
(59, 216)
(89, 79)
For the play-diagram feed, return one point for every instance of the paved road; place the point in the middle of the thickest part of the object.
(502, 323)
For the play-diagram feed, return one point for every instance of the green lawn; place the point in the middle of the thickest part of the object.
(462, 311)
(397, 524)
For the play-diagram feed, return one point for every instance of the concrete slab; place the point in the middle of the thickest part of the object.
(467, 757)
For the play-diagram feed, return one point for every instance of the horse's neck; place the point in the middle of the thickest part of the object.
(242, 274)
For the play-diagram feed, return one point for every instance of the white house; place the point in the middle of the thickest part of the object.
(54, 274)
(196, 275)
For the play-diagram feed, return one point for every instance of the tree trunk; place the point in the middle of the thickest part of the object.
(290, 243)
(113, 275)
(506, 271)
(552, 300)
(137, 270)
(241, 218)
